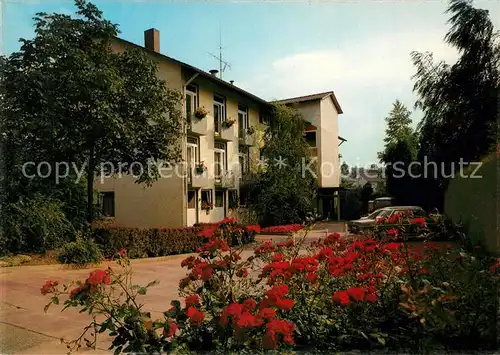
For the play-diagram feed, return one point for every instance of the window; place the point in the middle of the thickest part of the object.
(242, 119)
(192, 154)
(264, 119)
(219, 199)
(243, 196)
(219, 112)
(191, 100)
(192, 151)
(219, 160)
(310, 138)
(206, 197)
(233, 199)
(244, 162)
(191, 197)
(108, 204)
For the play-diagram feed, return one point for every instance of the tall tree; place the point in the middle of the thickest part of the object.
(459, 101)
(398, 129)
(399, 151)
(283, 192)
(70, 98)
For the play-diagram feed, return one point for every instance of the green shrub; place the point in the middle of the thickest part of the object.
(149, 242)
(82, 251)
(34, 225)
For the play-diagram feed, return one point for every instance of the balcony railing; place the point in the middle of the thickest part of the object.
(197, 180)
(227, 134)
(226, 180)
(197, 126)
(245, 138)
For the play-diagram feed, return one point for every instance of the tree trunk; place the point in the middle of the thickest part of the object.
(90, 184)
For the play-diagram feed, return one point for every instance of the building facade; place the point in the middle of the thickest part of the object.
(217, 150)
(321, 111)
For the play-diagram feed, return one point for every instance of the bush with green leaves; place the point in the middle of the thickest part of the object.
(34, 225)
(81, 252)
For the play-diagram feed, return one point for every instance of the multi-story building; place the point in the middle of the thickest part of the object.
(190, 194)
(320, 111)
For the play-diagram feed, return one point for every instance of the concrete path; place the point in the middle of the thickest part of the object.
(25, 328)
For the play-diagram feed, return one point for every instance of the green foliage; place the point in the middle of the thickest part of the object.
(283, 194)
(147, 242)
(68, 97)
(459, 101)
(81, 252)
(34, 225)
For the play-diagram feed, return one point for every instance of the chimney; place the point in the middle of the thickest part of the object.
(232, 82)
(214, 72)
(152, 39)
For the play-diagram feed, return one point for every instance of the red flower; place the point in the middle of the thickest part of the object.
(312, 277)
(206, 273)
(228, 220)
(285, 304)
(393, 247)
(253, 228)
(371, 297)
(393, 232)
(341, 297)
(122, 253)
(99, 277)
(172, 329)
(195, 316)
(419, 220)
(424, 271)
(275, 328)
(192, 300)
(242, 272)
(48, 287)
(249, 304)
(207, 232)
(278, 257)
(356, 293)
(267, 313)
(269, 340)
(247, 320)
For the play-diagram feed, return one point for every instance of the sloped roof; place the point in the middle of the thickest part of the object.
(318, 96)
(197, 70)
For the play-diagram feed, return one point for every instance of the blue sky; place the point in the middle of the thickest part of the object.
(359, 49)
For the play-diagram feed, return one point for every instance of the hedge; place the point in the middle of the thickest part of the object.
(149, 242)
(153, 242)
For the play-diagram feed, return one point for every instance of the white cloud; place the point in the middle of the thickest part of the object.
(366, 75)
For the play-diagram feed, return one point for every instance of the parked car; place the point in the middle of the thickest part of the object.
(369, 221)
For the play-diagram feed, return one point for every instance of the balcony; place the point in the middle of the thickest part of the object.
(224, 133)
(227, 180)
(245, 138)
(197, 126)
(198, 181)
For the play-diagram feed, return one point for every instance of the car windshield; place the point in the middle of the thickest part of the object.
(376, 213)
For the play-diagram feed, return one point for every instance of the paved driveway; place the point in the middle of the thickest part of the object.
(25, 328)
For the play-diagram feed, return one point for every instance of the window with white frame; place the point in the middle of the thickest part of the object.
(244, 162)
(219, 112)
(242, 119)
(192, 154)
(191, 100)
(219, 160)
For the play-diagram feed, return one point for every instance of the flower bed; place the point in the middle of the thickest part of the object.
(334, 295)
(285, 229)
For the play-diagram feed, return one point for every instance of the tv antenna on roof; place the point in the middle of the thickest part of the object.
(222, 63)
